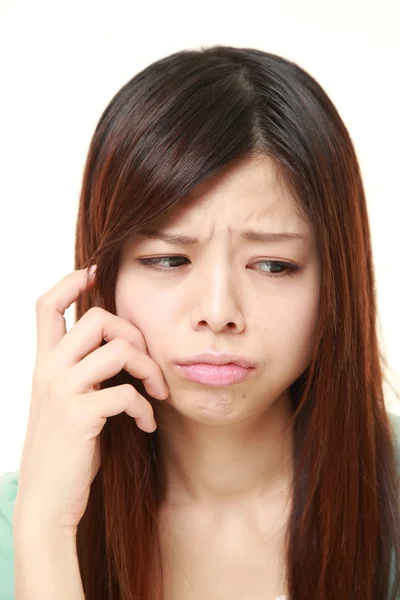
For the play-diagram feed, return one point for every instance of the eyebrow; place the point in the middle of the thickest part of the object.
(249, 235)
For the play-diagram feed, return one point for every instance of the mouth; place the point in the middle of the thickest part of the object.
(211, 368)
(217, 359)
(212, 374)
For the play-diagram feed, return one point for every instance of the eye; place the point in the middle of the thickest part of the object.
(284, 268)
(288, 268)
(153, 263)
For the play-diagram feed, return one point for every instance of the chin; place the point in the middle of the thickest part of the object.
(209, 406)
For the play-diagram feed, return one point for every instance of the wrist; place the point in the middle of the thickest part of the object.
(25, 528)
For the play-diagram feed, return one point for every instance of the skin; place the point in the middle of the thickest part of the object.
(226, 453)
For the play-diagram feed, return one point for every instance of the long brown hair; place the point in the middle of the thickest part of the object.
(173, 125)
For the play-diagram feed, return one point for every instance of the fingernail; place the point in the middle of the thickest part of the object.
(91, 271)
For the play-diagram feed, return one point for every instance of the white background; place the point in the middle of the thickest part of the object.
(61, 65)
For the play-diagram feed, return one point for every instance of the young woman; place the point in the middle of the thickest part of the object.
(234, 303)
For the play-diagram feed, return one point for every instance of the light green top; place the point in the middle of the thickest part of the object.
(8, 492)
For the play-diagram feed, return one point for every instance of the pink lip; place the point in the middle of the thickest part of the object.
(217, 358)
(212, 374)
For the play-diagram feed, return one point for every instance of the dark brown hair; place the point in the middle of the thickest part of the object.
(173, 125)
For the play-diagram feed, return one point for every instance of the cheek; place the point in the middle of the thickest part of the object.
(301, 329)
(288, 325)
(131, 304)
(147, 313)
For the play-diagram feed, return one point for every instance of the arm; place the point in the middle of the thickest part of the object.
(46, 566)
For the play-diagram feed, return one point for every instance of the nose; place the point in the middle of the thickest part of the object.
(217, 303)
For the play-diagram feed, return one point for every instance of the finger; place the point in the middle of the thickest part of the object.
(88, 333)
(51, 306)
(113, 401)
(109, 360)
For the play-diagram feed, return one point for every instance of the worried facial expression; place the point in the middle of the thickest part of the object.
(211, 280)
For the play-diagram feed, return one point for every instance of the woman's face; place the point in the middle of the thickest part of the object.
(221, 294)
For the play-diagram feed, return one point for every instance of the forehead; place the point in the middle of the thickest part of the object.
(251, 190)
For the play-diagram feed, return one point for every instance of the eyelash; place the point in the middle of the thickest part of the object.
(151, 263)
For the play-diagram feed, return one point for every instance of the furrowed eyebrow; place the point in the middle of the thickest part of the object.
(248, 235)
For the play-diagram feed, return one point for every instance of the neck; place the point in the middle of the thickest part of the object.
(213, 466)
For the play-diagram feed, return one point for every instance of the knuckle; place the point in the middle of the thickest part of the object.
(121, 345)
(138, 337)
(141, 404)
(128, 390)
(95, 312)
(44, 301)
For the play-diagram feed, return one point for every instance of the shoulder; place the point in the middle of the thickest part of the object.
(8, 493)
(394, 419)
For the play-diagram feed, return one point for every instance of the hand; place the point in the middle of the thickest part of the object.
(61, 453)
